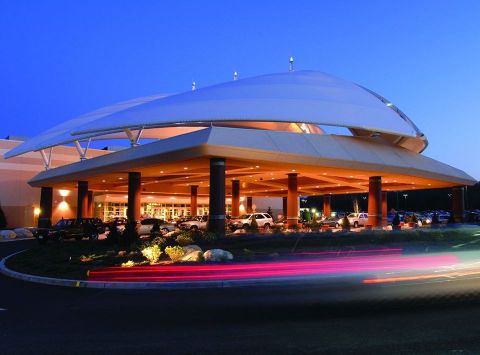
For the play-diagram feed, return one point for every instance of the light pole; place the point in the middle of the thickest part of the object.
(405, 195)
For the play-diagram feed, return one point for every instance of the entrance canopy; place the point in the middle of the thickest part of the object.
(261, 160)
(298, 101)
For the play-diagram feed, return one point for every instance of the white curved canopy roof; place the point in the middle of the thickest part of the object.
(307, 97)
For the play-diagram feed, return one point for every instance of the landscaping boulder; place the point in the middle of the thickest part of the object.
(23, 233)
(193, 256)
(217, 255)
(187, 249)
(7, 234)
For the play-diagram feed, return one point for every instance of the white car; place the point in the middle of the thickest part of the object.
(356, 219)
(147, 224)
(196, 223)
(264, 220)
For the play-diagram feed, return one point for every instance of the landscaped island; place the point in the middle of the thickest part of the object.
(75, 259)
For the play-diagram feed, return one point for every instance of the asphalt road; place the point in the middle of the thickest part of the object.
(38, 319)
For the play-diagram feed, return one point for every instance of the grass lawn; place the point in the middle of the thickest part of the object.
(72, 259)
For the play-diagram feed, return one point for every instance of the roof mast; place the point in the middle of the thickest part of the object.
(290, 61)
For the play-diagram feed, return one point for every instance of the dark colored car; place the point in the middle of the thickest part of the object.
(331, 222)
(68, 229)
(119, 221)
(98, 223)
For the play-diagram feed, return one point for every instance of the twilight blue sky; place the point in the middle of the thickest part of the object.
(59, 59)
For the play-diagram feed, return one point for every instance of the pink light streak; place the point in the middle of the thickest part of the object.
(218, 272)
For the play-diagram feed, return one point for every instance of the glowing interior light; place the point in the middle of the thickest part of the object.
(63, 205)
(64, 193)
(36, 211)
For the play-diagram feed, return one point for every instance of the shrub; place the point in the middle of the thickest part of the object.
(129, 263)
(253, 225)
(3, 219)
(314, 226)
(152, 253)
(114, 235)
(161, 242)
(184, 239)
(278, 228)
(208, 238)
(174, 253)
(269, 211)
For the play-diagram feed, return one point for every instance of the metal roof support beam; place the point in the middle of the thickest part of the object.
(82, 151)
(134, 138)
(46, 159)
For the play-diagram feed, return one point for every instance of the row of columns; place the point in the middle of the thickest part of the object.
(377, 201)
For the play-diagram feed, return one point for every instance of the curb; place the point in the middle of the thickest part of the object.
(279, 281)
(15, 240)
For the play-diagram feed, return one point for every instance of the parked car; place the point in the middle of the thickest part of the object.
(147, 224)
(199, 222)
(98, 223)
(330, 221)
(119, 221)
(180, 220)
(68, 229)
(283, 222)
(264, 220)
(356, 219)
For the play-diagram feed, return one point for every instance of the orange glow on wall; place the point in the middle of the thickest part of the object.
(63, 206)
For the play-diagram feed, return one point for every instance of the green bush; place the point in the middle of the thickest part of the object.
(253, 225)
(152, 253)
(175, 253)
(113, 236)
(208, 238)
(184, 239)
(315, 226)
(160, 241)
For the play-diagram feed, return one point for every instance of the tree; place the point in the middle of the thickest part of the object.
(269, 211)
(3, 219)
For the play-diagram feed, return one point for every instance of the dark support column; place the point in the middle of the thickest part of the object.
(82, 199)
(249, 204)
(327, 211)
(375, 201)
(216, 218)
(384, 208)
(292, 200)
(458, 203)
(284, 206)
(235, 198)
(90, 204)
(134, 196)
(193, 200)
(46, 204)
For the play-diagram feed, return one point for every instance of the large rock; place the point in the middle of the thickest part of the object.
(217, 255)
(7, 234)
(23, 233)
(187, 249)
(193, 256)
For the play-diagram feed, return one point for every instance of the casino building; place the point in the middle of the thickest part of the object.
(224, 148)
